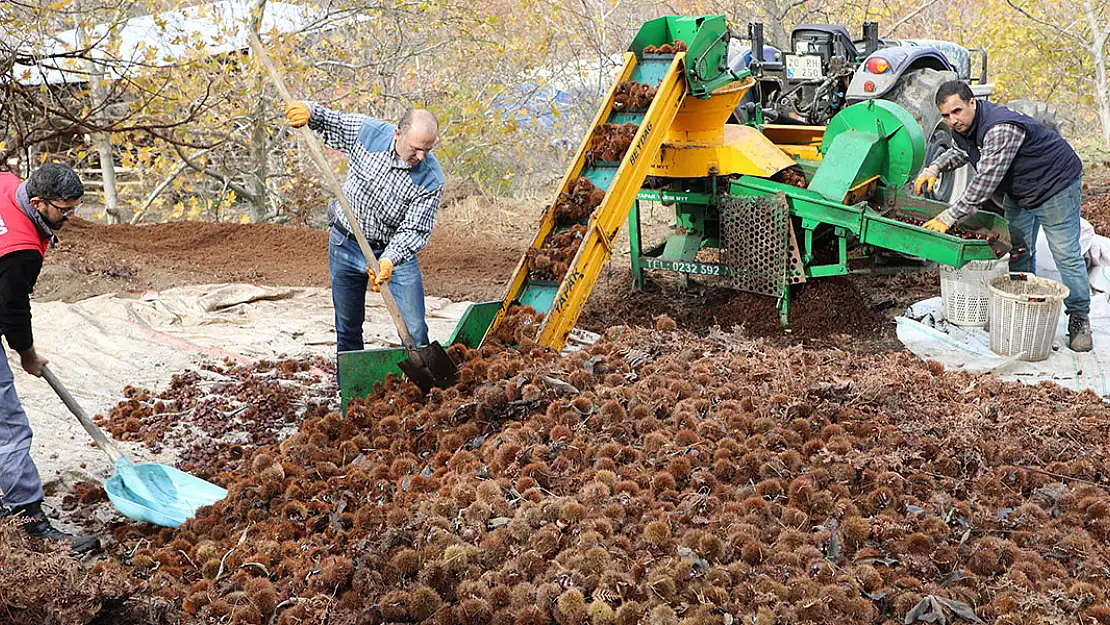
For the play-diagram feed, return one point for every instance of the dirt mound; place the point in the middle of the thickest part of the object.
(817, 310)
(469, 265)
(658, 476)
(210, 251)
(95, 258)
(457, 189)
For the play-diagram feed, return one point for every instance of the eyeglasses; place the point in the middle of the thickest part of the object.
(66, 211)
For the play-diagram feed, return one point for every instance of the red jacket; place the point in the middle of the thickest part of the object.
(22, 250)
(17, 231)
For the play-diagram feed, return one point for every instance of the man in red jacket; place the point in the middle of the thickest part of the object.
(30, 212)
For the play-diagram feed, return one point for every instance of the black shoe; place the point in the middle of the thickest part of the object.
(1079, 333)
(40, 527)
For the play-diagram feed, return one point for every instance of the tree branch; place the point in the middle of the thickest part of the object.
(139, 214)
(237, 188)
(1082, 42)
(1098, 36)
(909, 16)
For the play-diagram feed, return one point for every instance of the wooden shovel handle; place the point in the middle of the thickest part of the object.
(322, 164)
(96, 433)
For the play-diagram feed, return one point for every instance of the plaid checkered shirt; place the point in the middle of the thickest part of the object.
(395, 204)
(1000, 146)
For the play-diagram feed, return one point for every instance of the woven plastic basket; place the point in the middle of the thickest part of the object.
(1024, 313)
(965, 292)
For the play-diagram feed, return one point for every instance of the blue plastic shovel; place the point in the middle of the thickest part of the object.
(149, 492)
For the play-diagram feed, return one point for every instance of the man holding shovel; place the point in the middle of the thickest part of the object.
(394, 185)
(30, 212)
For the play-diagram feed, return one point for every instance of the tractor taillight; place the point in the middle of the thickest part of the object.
(878, 65)
(869, 86)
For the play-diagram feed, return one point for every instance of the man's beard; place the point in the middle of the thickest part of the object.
(54, 225)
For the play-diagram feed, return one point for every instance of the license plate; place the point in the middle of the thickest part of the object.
(803, 67)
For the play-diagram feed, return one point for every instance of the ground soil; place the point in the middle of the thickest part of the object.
(1096, 197)
(833, 309)
(94, 258)
(866, 423)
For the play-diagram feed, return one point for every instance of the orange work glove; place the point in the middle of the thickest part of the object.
(926, 180)
(385, 272)
(936, 225)
(298, 114)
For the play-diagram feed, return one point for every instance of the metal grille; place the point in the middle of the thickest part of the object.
(755, 243)
(797, 272)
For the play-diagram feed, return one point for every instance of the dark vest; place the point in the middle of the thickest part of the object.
(1044, 165)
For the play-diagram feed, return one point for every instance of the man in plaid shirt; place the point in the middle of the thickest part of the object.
(1041, 178)
(394, 185)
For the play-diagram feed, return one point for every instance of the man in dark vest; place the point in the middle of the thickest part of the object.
(30, 212)
(1041, 178)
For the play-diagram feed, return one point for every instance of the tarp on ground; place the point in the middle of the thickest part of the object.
(926, 333)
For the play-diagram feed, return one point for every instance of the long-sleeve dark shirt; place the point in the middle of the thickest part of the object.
(19, 271)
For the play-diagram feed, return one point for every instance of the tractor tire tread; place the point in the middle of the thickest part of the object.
(917, 94)
(1040, 111)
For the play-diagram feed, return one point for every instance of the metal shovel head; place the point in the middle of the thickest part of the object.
(430, 367)
(168, 497)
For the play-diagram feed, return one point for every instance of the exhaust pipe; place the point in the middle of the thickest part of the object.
(755, 33)
(870, 38)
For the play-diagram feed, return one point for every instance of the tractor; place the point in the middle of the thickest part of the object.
(825, 70)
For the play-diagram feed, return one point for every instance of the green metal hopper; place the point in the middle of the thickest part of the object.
(360, 370)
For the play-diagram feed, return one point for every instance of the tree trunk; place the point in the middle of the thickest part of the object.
(775, 30)
(1099, 35)
(1102, 95)
(259, 142)
(108, 175)
(100, 140)
(259, 156)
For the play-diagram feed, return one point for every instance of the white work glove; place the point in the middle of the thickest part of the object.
(947, 218)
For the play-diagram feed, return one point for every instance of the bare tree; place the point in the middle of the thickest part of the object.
(1091, 34)
(102, 141)
(52, 92)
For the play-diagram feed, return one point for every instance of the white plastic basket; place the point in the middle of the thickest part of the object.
(965, 292)
(1024, 312)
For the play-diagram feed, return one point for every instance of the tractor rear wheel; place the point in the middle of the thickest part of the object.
(916, 93)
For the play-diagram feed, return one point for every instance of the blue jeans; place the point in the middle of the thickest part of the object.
(19, 480)
(348, 293)
(1059, 216)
